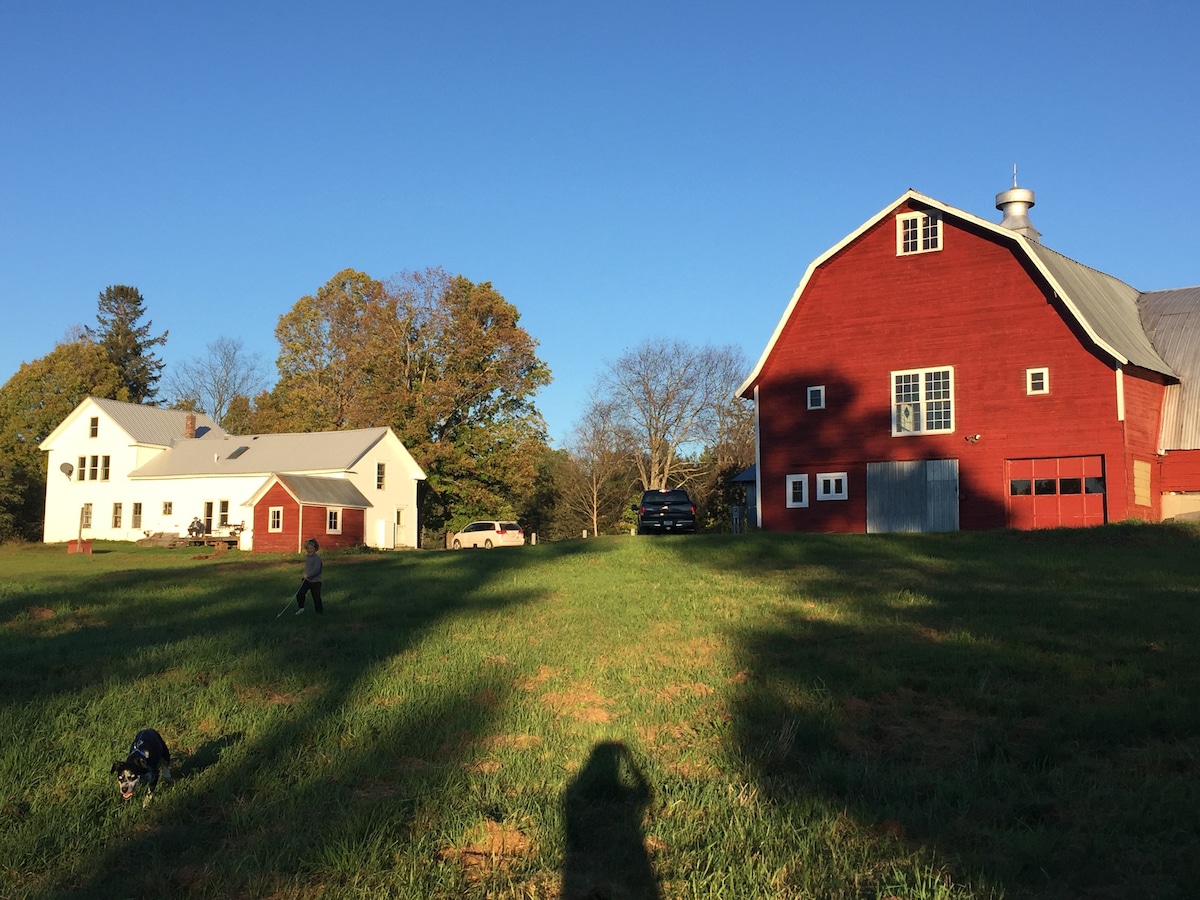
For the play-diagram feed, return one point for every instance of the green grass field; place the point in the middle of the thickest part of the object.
(906, 716)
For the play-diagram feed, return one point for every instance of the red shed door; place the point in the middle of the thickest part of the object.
(1048, 493)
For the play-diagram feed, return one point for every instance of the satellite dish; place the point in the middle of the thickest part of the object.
(66, 469)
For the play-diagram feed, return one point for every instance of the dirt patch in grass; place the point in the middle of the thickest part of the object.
(37, 613)
(582, 705)
(488, 847)
(533, 682)
(265, 695)
(513, 742)
(910, 725)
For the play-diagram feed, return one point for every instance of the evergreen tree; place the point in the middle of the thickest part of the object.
(127, 343)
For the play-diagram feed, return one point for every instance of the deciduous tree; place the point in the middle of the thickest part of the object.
(670, 398)
(32, 404)
(212, 383)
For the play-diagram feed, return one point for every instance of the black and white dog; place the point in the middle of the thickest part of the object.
(148, 758)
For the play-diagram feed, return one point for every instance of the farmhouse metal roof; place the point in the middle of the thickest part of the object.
(154, 425)
(1172, 321)
(265, 454)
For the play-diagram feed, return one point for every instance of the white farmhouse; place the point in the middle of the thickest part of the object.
(122, 471)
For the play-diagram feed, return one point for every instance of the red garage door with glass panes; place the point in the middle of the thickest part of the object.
(1048, 493)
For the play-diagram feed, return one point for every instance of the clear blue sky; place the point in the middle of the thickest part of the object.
(620, 171)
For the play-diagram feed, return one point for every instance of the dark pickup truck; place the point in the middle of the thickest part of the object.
(666, 512)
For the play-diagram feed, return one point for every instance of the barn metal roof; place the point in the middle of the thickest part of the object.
(264, 454)
(1108, 305)
(154, 425)
(319, 491)
(1172, 321)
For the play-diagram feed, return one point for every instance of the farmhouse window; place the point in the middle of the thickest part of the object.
(275, 518)
(94, 468)
(94, 427)
(918, 233)
(105, 466)
(168, 507)
(223, 513)
(816, 396)
(380, 475)
(85, 516)
(922, 401)
(116, 515)
(333, 522)
(136, 519)
(1037, 381)
(831, 486)
(82, 473)
(797, 491)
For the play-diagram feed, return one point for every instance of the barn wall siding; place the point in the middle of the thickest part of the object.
(285, 541)
(974, 306)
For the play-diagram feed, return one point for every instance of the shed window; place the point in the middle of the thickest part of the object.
(333, 523)
(275, 518)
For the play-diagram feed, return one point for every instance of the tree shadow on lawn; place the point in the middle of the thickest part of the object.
(1016, 708)
(305, 789)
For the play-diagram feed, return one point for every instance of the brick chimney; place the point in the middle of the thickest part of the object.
(189, 425)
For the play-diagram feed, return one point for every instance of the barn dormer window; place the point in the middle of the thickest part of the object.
(918, 232)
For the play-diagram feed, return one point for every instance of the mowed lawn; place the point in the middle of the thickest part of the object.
(910, 716)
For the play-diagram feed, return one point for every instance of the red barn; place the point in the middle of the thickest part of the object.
(936, 371)
(290, 509)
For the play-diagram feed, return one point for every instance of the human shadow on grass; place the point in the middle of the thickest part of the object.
(313, 793)
(603, 810)
(969, 716)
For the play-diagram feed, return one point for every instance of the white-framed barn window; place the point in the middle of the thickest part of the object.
(275, 518)
(1037, 381)
(815, 396)
(922, 401)
(333, 521)
(797, 491)
(832, 486)
(918, 232)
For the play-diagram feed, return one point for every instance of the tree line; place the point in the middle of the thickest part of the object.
(446, 364)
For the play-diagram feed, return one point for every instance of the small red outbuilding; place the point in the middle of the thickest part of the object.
(290, 509)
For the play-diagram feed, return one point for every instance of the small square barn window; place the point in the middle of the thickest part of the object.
(1037, 381)
(275, 518)
(918, 232)
(831, 486)
(797, 491)
(816, 396)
